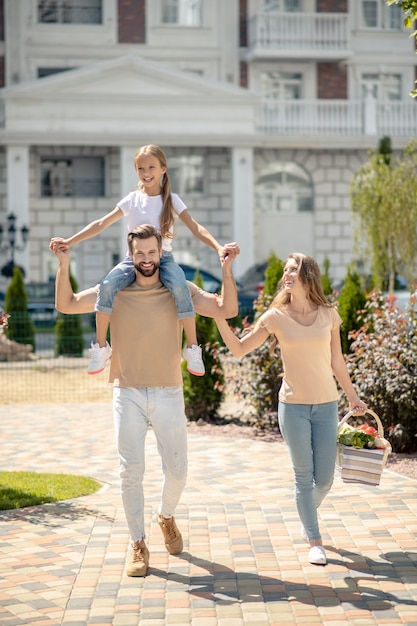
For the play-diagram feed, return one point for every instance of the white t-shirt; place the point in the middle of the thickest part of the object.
(139, 208)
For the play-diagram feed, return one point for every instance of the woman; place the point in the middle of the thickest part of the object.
(307, 329)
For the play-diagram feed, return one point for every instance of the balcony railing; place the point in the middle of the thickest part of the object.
(337, 117)
(301, 32)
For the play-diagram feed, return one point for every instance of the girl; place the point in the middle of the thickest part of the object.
(306, 327)
(151, 203)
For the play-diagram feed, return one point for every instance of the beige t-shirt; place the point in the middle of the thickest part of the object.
(146, 337)
(306, 355)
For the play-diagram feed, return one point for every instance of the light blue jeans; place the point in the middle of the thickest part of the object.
(134, 409)
(123, 275)
(310, 431)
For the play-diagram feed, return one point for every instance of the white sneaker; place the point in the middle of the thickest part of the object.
(194, 360)
(99, 358)
(317, 555)
(304, 534)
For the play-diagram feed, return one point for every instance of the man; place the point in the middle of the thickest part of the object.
(146, 374)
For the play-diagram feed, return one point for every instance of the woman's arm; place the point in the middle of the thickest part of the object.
(240, 347)
(340, 370)
(92, 229)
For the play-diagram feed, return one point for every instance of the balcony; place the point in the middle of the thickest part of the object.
(338, 118)
(299, 36)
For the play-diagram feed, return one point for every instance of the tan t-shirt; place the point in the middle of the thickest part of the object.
(306, 355)
(146, 337)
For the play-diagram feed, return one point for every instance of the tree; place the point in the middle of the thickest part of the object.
(204, 395)
(410, 11)
(352, 299)
(20, 326)
(326, 281)
(69, 339)
(384, 206)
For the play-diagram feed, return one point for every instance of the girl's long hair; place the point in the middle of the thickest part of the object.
(167, 213)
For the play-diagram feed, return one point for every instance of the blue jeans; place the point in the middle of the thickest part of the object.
(134, 409)
(123, 275)
(310, 431)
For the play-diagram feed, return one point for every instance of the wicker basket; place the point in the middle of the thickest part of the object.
(362, 465)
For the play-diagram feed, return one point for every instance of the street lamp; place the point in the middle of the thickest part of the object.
(11, 244)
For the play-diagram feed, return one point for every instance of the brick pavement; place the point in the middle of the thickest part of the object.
(244, 562)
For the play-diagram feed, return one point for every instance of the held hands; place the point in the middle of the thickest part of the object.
(228, 252)
(58, 243)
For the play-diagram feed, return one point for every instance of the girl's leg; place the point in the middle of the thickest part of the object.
(119, 277)
(102, 326)
(174, 279)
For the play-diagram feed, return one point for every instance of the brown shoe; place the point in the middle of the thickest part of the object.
(138, 559)
(172, 536)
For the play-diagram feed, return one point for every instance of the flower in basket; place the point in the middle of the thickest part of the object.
(3, 320)
(364, 436)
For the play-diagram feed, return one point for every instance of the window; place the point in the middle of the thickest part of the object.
(381, 86)
(376, 14)
(48, 71)
(186, 174)
(287, 6)
(72, 177)
(182, 12)
(281, 85)
(70, 11)
(284, 188)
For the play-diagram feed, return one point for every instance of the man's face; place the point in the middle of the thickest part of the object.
(146, 256)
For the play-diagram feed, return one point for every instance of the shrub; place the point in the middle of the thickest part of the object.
(203, 395)
(326, 281)
(351, 300)
(20, 325)
(69, 339)
(383, 365)
(257, 378)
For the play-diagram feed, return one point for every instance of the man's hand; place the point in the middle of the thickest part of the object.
(58, 241)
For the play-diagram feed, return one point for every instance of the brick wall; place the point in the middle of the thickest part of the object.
(131, 21)
(332, 6)
(331, 81)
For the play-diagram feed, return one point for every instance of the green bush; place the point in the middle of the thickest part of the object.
(326, 281)
(257, 378)
(203, 395)
(21, 328)
(383, 366)
(351, 300)
(69, 339)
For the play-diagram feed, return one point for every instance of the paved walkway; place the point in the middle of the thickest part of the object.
(244, 562)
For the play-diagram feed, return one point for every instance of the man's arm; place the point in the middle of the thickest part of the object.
(66, 301)
(226, 304)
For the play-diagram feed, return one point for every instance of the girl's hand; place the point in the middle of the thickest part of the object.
(58, 244)
(232, 248)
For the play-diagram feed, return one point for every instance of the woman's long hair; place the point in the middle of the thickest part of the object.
(310, 276)
(167, 213)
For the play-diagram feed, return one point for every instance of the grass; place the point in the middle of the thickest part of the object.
(23, 489)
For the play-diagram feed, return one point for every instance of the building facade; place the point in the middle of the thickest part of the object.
(265, 108)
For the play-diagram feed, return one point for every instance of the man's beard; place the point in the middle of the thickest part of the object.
(147, 272)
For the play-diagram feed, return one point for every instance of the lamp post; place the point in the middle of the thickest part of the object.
(11, 243)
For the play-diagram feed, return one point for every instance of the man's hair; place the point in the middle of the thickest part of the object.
(146, 231)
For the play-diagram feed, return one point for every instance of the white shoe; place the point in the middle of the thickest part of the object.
(194, 360)
(99, 358)
(304, 534)
(317, 555)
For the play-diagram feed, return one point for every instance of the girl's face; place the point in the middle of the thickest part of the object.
(150, 170)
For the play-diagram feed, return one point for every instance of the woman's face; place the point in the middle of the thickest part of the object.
(291, 278)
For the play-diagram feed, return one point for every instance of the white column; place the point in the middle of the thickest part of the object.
(242, 199)
(370, 113)
(18, 198)
(128, 182)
